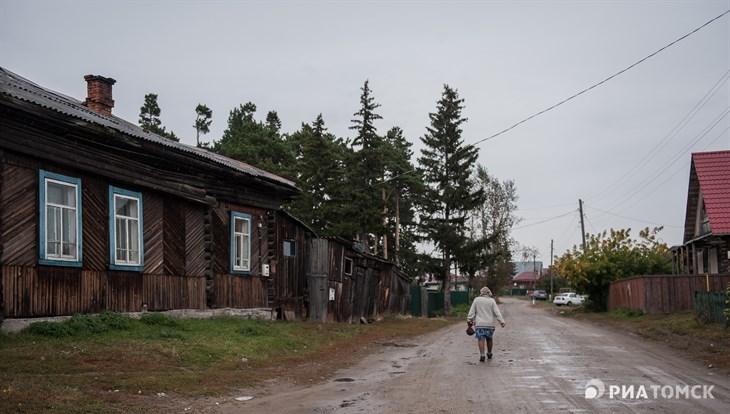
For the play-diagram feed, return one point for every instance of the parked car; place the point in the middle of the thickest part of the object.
(539, 295)
(568, 299)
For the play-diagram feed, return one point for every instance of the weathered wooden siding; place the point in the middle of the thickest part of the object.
(95, 225)
(50, 291)
(661, 294)
(18, 215)
(236, 291)
(154, 252)
(174, 238)
(317, 275)
(195, 262)
(374, 288)
(288, 278)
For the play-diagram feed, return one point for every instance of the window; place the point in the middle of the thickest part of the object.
(348, 266)
(240, 243)
(290, 248)
(125, 230)
(60, 227)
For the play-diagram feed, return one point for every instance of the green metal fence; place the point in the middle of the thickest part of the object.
(435, 301)
(709, 306)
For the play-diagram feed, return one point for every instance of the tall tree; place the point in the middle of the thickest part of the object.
(492, 222)
(447, 164)
(367, 172)
(400, 188)
(202, 121)
(149, 118)
(253, 142)
(320, 167)
(273, 121)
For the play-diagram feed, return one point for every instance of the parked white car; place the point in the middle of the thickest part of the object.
(568, 299)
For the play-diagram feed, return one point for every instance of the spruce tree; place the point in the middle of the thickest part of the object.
(366, 172)
(320, 168)
(447, 164)
(401, 187)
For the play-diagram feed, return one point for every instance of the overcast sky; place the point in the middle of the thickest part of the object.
(623, 147)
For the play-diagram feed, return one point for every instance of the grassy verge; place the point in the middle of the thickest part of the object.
(708, 343)
(109, 363)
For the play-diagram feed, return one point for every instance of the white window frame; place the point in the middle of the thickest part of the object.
(115, 263)
(60, 259)
(240, 251)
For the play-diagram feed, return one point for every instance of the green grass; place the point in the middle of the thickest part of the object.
(108, 363)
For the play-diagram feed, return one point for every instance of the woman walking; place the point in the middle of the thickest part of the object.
(482, 315)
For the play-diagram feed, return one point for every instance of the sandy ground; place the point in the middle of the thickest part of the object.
(542, 363)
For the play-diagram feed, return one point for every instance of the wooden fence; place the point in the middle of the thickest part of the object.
(34, 292)
(662, 294)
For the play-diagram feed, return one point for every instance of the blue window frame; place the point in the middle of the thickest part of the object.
(126, 244)
(240, 243)
(60, 220)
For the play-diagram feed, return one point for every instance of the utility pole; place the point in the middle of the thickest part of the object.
(582, 224)
(551, 269)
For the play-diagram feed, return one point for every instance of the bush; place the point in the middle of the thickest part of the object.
(115, 320)
(159, 319)
(49, 329)
(83, 324)
(461, 310)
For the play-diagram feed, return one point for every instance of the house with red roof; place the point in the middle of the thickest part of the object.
(529, 279)
(706, 247)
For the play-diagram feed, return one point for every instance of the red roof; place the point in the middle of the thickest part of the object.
(526, 277)
(713, 173)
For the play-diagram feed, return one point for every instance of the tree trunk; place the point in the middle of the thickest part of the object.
(397, 227)
(447, 284)
(385, 223)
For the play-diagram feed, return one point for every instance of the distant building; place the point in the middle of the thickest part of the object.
(529, 266)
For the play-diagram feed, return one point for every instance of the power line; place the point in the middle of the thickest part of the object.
(543, 221)
(677, 157)
(647, 194)
(599, 83)
(673, 133)
(634, 219)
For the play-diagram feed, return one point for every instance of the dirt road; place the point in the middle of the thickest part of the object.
(542, 363)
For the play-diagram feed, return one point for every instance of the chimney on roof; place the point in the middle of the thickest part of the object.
(99, 94)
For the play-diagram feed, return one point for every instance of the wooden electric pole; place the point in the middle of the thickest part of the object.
(582, 224)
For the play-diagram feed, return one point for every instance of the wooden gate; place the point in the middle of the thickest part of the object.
(317, 277)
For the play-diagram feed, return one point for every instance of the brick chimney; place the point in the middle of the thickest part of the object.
(99, 94)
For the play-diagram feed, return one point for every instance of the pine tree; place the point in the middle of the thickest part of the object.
(149, 118)
(253, 142)
(447, 164)
(202, 121)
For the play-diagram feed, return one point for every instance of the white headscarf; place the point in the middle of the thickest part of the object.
(485, 291)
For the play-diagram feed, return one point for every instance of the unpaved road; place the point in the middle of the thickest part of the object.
(542, 363)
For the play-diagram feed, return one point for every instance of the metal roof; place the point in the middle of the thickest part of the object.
(20, 88)
(713, 173)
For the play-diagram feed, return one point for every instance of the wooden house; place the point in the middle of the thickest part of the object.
(98, 214)
(706, 246)
(348, 285)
